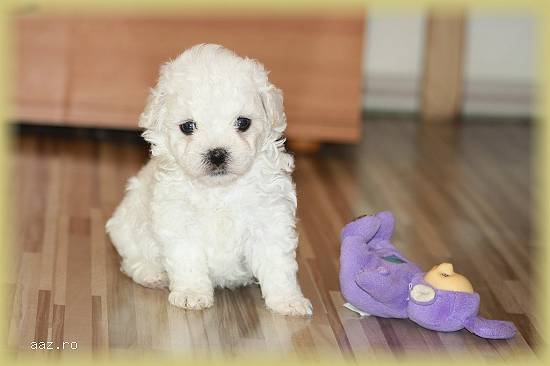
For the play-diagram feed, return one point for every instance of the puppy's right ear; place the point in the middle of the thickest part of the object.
(155, 108)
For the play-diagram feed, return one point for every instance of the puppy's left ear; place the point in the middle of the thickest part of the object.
(271, 98)
(272, 101)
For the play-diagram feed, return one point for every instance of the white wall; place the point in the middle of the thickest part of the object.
(500, 70)
(500, 64)
(394, 45)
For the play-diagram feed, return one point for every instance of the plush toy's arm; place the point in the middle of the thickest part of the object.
(382, 285)
(353, 257)
(492, 329)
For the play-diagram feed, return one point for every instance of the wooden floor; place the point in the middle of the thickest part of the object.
(459, 194)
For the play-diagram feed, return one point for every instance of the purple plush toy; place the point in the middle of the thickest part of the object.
(374, 276)
(376, 279)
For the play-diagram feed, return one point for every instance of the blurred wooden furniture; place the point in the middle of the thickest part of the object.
(443, 69)
(95, 71)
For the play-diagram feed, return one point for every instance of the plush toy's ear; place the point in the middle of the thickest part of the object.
(387, 225)
(492, 329)
(155, 108)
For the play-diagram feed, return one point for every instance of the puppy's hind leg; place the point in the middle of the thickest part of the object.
(139, 251)
(145, 272)
(141, 261)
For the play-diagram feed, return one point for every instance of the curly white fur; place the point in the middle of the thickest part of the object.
(183, 227)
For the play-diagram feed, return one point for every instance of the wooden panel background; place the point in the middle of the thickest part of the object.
(41, 51)
(444, 66)
(99, 69)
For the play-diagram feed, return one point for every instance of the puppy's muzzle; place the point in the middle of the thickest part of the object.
(217, 160)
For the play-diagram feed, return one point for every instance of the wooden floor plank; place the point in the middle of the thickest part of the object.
(458, 195)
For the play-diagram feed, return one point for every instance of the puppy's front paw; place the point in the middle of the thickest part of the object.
(294, 306)
(191, 299)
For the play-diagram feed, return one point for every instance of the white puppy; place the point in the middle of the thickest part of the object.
(215, 205)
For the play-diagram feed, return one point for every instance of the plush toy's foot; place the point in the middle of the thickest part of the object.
(364, 227)
(491, 329)
(387, 225)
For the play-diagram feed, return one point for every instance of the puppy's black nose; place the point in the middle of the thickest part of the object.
(217, 156)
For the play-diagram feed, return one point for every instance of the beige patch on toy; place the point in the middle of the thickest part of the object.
(422, 293)
(443, 277)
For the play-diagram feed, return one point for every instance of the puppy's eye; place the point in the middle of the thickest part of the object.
(188, 127)
(242, 123)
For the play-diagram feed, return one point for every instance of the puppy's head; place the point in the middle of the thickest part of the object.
(212, 112)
